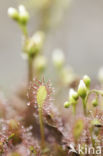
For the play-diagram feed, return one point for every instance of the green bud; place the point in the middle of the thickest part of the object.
(73, 95)
(23, 15)
(95, 102)
(13, 13)
(34, 44)
(87, 81)
(67, 104)
(82, 90)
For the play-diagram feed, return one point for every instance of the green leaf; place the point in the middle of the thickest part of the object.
(41, 95)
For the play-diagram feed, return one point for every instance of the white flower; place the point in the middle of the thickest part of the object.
(58, 58)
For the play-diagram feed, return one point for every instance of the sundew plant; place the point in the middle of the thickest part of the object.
(34, 123)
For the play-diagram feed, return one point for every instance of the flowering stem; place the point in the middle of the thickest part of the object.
(97, 92)
(41, 128)
(74, 109)
(100, 92)
(30, 69)
(30, 59)
(84, 106)
(24, 30)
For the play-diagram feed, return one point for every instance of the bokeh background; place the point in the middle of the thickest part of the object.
(79, 35)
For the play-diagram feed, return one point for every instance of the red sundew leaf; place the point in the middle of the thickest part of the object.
(51, 117)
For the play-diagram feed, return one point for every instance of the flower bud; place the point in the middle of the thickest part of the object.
(23, 15)
(73, 95)
(95, 102)
(58, 58)
(87, 81)
(67, 104)
(38, 38)
(35, 44)
(13, 13)
(82, 90)
(40, 63)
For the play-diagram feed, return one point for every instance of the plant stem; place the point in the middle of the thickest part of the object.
(24, 30)
(74, 109)
(41, 128)
(30, 58)
(84, 106)
(30, 69)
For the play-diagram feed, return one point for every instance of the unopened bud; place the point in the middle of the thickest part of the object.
(13, 13)
(87, 81)
(82, 90)
(67, 104)
(73, 95)
(35, 44)
(23, 14)
(95, 102)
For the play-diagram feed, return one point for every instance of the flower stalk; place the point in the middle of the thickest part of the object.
(31, 45)
(30, 69)
(83, 92)
(84, 106)
(41, 128)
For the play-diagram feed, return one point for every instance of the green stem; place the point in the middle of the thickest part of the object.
(30, 69)
(41, 128)
(30, 59)
(74, 109)
(84, 106)
(24, 30)
(97, 92)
